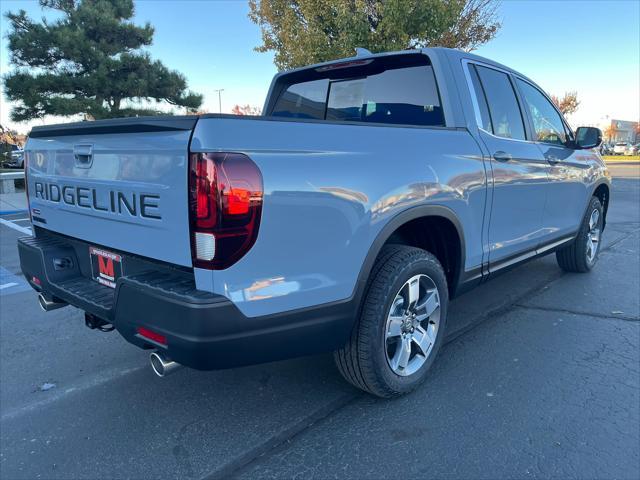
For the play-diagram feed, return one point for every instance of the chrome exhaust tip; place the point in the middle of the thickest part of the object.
(48, 304)
(162, 365)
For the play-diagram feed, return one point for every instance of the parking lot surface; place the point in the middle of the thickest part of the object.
(540, 378)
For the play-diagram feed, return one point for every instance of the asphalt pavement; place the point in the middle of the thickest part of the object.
(540, 378)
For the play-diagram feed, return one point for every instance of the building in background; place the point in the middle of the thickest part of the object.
(621, 131)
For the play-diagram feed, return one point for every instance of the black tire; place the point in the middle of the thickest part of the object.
(574, 257)
(363, 360)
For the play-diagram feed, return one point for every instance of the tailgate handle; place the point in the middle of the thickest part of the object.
(83, 155)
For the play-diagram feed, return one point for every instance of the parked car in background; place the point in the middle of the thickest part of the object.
(620, 148)
(606, 149)
(12, 156)
(371, 191)
(632, 150)
(16, 158)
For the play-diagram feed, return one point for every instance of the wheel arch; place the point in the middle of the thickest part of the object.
(436, 212)
(602, 190)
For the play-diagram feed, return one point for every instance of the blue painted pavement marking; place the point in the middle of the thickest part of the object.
(11, 283)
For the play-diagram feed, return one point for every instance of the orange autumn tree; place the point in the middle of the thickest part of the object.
(610, 132)
(568, 104)
(246, 110)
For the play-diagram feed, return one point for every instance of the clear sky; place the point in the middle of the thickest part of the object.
(590, 46)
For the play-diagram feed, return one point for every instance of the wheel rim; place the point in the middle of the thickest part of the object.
(412, 325)
(593, 236)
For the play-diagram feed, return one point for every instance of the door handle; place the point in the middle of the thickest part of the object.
(501, 156)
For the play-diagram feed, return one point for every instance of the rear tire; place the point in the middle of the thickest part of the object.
(401, 326)
(582, 254)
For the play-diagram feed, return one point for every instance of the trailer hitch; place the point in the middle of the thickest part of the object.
(96, 323)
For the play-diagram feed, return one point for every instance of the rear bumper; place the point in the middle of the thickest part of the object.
(203, 330)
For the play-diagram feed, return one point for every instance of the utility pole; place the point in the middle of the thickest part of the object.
(219, 90)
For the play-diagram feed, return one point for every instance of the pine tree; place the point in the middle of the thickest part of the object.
(88, 62)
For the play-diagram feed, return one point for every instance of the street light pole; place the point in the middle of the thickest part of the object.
(219, 90)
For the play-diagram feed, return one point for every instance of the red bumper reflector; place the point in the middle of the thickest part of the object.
(36, 280)
(156, 337)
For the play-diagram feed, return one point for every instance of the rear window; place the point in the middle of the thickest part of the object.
(303, 100)
(394, 90)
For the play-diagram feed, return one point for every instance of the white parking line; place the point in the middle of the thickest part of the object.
(86, 384)
(10, 224)
(21, 220)
(7, 285)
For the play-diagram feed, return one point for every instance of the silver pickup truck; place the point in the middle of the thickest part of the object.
(371, 191)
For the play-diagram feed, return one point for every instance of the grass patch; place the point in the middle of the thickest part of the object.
(621, 158)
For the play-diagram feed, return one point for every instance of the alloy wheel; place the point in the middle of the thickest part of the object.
(412, 325)
(593, 235)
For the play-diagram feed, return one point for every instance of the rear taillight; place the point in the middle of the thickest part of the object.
(225, 207)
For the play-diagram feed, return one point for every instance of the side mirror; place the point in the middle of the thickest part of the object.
(588, 137)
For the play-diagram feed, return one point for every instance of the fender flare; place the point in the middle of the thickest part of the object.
(391, 226)
(605, 207)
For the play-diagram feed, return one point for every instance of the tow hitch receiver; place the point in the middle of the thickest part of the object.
(94, 323)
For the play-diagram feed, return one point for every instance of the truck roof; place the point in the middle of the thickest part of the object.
(448, 55)
(452, 53)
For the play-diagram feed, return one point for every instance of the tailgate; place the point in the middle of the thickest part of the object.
(119, 184)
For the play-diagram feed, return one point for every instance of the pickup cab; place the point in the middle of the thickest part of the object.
(372, 191)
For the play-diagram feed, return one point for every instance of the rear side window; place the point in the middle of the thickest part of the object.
(387, 93)
(481, 99)
(504, 111)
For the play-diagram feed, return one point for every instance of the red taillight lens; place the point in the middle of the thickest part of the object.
(226, 204)
(206, 194)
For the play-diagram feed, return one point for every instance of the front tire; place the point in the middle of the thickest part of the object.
(401, 325)
(582, 254)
